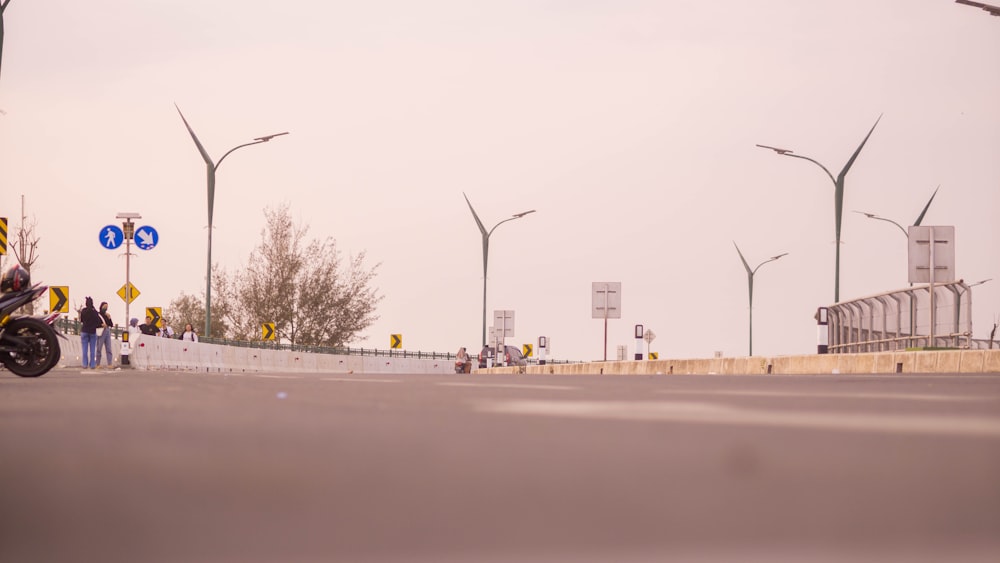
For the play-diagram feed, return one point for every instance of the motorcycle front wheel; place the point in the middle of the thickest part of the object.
(31, 347)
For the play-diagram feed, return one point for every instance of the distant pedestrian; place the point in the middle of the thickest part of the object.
(104, 336)
(167, 331)
(189, 333)
(149, 328)
(90, 320)
(462, 364)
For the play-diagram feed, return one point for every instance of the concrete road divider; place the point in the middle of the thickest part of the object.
(920, 361)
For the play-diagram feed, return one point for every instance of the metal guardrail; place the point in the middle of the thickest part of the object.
(905, 318)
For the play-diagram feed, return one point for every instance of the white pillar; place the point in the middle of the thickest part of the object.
(638, 342)
(822, 330)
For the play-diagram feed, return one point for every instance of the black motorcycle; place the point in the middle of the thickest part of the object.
(29, 346)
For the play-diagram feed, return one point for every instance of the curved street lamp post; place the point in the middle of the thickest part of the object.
(750, 273)
(212, 168)
(958, 306)
(838, 196)
(916, 223)
(906, 234)
(486, 249)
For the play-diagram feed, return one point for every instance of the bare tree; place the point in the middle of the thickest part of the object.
(25, 248)
(191, 309)
(305, 288)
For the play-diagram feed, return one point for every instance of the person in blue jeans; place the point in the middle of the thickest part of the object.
(104, 334)
(90, 319)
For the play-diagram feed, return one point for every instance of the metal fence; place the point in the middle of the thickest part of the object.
(915, 317)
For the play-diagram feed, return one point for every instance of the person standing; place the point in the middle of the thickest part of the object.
(90, 319)
(148, 328)
(167, 331)
(104, 336)
(189, 333)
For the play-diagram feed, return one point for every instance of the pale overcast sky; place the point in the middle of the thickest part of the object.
(628, 125)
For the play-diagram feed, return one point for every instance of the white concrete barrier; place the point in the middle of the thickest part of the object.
(923, 361)
(304, 362)
(151, 350)
(71, 351)
(270, 360)
(355, 364)
(157, 353)
(209, 357)
(190, 356)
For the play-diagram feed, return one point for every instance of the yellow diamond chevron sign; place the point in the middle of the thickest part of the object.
(267, 331)
(128, 293)
(654, 355)
(396, 341)
(59, 299)
(157, 315)
(527, 350)
(3, 235)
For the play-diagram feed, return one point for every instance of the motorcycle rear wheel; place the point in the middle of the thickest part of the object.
(36, 347)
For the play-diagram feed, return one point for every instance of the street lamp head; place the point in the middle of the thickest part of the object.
(980, 282)
(267, 138)
(869, 215)
(779, 256)
(519, 215)
(776, 149)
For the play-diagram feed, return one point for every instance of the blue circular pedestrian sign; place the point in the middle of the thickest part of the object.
(111, 237)
(146, 237)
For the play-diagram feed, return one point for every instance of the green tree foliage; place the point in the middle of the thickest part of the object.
(191, 309)
(314, 296)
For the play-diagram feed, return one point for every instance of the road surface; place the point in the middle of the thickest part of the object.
(181, 467)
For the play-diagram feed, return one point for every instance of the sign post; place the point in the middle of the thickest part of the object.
(649, 336)
(111, 237)
(267, 331)
(931, 259)
(503, 328)
(606, 303)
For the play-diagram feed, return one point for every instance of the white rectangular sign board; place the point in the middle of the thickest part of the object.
(606, 300)
(503, 323)
(922, 250)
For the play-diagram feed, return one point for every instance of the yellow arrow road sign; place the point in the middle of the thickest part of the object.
(267, 331)
(396, 341)
(157, 314)
(59, 299)
(527, 350)
(128, 293)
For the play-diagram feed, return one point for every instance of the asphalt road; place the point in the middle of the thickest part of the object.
(179, 467)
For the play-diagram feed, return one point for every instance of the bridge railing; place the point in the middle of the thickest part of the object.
(905, 318)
